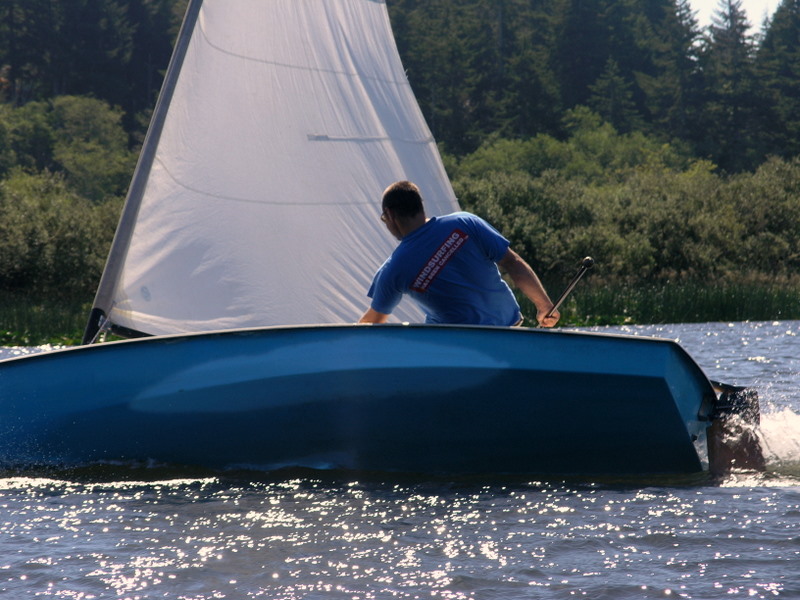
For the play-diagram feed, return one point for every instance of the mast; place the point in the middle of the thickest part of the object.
(104, 296)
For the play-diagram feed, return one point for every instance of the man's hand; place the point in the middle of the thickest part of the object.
(373, 316)
(547, 321)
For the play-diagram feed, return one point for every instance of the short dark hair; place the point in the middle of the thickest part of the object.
(403, 198)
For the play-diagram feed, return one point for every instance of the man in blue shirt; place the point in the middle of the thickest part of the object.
(449, 266)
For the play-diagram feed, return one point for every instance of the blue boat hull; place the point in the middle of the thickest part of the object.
(422, 399)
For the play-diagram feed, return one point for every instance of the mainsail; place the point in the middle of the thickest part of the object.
(256, 199)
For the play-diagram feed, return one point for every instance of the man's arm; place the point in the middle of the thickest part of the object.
(373, 316)
(526, 280)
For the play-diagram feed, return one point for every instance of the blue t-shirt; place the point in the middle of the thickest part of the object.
(448, 266)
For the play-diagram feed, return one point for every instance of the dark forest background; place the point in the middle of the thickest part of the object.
(616, 128)
(508, 68)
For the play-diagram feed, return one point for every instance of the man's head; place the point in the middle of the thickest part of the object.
(403, 200)
(402, 209)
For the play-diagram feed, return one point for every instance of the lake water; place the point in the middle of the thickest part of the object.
(312, 536)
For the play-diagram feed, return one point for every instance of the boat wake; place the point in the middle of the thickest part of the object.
(779, 437)
(779, 433)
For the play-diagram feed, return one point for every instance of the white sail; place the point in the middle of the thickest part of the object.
(257, 197)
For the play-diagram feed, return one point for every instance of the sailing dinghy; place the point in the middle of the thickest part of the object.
(247, 241)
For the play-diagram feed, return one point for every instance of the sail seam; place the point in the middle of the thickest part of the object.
(249, 200)
(218, 48)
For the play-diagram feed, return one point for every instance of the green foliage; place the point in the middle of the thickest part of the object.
(31, 136)
(83, 138)
(34, 321)
(478, 67)
(111, 49)
(599, 302)
(7, 158)
(51, 239)
(510, 68)
(612, 99)
(671, 87)
(593, 152)
(91, 146)
(733, 131)
(767, 206)
(778, 65)
(640, 216)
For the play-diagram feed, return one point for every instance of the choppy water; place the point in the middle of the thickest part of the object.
(292, 535)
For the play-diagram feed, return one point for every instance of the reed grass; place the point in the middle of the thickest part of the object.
(33, 321)
(30, 321)
(683, 302)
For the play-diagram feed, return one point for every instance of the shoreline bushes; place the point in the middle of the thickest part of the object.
(659, 224)
(643, 218)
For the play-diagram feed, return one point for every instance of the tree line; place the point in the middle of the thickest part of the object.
(730, 93)
(616, 128)
(114, 50)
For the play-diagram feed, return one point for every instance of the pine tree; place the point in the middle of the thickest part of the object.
(581, 49)
(54, 47)
(612, 99)
(589, 33)
(528, 96)
(157, 23)
(673, 89)
(778, 63)
(733, 108)
(89, 48)
(454, 60)
(20, 48)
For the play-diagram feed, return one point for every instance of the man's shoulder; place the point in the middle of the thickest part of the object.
(460, 214)
(461, 217)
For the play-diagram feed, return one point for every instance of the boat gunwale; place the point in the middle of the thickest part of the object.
(250, 331)
(168, 337)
